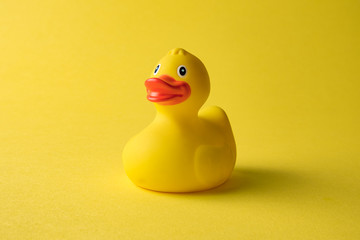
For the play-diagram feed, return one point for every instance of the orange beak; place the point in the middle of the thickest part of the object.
(165, 90)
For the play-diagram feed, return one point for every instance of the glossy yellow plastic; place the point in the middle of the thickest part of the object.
(183, 149)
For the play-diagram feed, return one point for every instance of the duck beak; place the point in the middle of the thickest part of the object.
(165, 90)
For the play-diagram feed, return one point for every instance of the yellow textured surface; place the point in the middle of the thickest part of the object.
(71, 94)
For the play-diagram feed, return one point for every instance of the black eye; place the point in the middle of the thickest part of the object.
(181, 71)
(157, 69)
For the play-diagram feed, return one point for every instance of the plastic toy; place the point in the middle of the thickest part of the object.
(183, 149)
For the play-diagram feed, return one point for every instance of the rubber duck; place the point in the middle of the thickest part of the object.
(183, 149)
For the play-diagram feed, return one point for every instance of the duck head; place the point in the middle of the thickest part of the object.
(179, 83)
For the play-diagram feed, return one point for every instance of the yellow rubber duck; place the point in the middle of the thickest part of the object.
(183, 149)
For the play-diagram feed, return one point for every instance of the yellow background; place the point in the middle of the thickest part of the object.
(71, 94)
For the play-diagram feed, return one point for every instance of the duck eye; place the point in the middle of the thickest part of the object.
(181, 71)
(157, 69)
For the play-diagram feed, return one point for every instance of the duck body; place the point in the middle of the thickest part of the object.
(183, 149)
